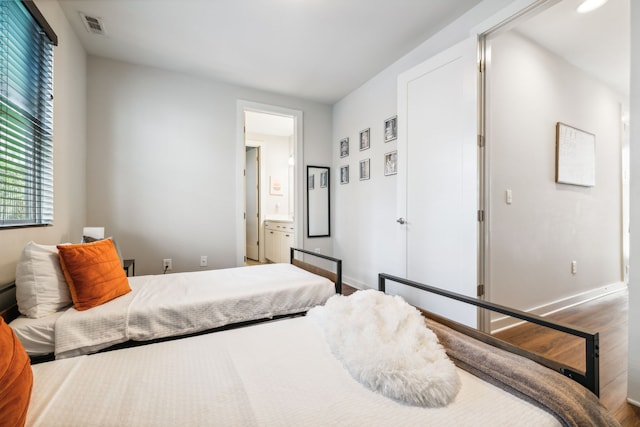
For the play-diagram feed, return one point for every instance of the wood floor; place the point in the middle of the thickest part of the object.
(606, 315)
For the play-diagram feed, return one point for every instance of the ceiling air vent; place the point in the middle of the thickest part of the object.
(92, 24)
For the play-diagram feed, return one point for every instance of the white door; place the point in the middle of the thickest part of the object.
(253, 203)
(438, 182)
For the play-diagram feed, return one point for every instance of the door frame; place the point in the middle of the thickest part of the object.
(297, 116)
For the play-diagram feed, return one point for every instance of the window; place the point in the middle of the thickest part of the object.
(26, 115)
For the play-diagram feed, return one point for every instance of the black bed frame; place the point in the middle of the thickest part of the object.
(335, 278)
(590, 378)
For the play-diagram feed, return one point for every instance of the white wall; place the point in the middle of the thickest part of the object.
(367, 236)
(161, 160)
(534, 240)
(634, 278)
(69, 136)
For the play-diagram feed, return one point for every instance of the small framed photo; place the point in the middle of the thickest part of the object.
(391, 163)
(344, 174)
(364, 139)
(391, 129)
(324, 179)
(311, 182)
(344, 147)
(364, 169)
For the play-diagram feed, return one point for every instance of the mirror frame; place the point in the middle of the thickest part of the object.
(328, 170)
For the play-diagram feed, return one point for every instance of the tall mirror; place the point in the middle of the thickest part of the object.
(318, 222)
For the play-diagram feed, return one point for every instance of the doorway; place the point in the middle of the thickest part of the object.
(270, 140)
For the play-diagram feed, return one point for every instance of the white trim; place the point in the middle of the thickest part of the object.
(297, 115)
(505, 322)
(633, 402)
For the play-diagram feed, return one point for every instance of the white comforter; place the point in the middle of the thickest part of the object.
(177, 304)
(275, 374)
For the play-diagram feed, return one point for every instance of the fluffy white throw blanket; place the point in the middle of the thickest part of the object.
(384, 344)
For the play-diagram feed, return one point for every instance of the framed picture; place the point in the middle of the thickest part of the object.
(311, 182)
(324, 177)
(344, 174)
(364, 139)
(391, 129)
(275, 186)
(575, 156)
(344, 147)
(391, 163)
(364, 169)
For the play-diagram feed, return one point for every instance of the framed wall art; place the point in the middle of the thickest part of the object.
(391, 129)
(364, 169)
(344, 147)
(575, 156)
(391, 163)
(364, 139)
(344, 174)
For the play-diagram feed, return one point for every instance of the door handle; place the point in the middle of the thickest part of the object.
(401, 221)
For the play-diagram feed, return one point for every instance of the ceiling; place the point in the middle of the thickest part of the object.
(323, 49)
(598, 42)
(313, 49)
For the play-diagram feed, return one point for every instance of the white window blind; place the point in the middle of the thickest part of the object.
(26, 116)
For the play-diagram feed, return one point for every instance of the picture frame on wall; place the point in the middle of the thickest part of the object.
(391, 163)
(344, 147)
(344, 174)
(391, 129)
(365, 169)
(365, 139)
(324, 178)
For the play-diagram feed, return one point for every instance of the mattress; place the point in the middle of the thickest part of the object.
(162, 306)
(280, 373)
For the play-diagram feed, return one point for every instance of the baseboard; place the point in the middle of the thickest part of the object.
(505, 322)
(633, 402)
(349, 281)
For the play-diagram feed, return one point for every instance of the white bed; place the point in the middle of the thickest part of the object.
(280, 373)
(160, 306)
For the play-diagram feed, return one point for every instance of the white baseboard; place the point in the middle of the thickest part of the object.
(349, 281)
(633, 402)
(505, 322)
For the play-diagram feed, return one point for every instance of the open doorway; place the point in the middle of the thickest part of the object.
(552, 243)
(270, 189)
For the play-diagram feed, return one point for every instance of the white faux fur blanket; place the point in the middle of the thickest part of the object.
(384, 344)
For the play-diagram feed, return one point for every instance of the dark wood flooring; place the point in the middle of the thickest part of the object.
(606, 315)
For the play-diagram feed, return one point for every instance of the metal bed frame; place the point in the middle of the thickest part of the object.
(590, 378)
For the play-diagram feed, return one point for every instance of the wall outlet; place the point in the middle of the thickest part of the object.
(574, 267)
(166, 264)
(203, 261)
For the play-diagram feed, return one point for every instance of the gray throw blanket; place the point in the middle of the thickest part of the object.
(568, 401)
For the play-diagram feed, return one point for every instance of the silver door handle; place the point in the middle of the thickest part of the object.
(401, 221)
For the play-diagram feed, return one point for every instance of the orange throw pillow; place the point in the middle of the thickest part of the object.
(93, 272)
(16, 378)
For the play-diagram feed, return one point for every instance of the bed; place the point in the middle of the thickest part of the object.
(164, 306)
(291, 372)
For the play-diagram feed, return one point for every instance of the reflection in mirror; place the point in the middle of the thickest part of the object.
(318, 223)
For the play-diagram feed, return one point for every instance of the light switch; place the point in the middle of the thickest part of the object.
(508, 196)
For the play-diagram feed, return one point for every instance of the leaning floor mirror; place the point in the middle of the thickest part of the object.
(318, 222)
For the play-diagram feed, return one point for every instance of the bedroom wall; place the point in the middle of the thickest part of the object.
(161, 160)
(69, 139)
(367, 236)
(534, 239)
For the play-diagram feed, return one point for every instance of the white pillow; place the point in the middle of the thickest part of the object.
(41, 288)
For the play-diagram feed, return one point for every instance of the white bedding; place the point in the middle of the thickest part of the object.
(176, 304)
(36, 335)
(274, 374)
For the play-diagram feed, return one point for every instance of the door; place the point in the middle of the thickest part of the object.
(253, 203)
(438, 182)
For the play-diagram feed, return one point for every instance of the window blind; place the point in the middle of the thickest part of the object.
(26, 117)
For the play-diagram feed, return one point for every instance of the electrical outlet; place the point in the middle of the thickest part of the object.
(574, 267)
(203, 260)
(166, 264)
